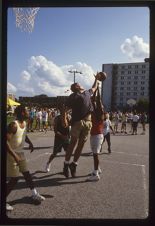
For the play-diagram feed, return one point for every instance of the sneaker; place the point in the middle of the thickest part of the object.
(99, 170)
(65, 170)
(47, 168)
(94, 177)
(9, 207)
(72, 167)
(93, 172)
(38, 197)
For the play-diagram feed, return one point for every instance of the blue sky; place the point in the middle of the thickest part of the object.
(66, 39)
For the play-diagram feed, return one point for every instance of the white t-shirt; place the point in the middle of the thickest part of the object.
(135, 118)
(39, 115)
(44, 116)
(106, 126)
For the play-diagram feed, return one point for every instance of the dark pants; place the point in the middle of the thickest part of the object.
(107, 138)
(59, 144)
(135, 125)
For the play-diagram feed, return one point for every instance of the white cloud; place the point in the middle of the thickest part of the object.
(25, 76)
(11, 88)
(43, 76)
(135, 48)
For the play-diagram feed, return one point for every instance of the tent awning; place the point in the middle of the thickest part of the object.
(11, 102)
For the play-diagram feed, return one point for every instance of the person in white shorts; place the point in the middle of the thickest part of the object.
(16, 161)
(96, 137)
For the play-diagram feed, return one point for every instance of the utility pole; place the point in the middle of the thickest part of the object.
(74, 72)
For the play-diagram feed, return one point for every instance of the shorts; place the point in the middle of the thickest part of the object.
(81, 129)
(134, 124)
(123, 123)
(59, 144)
(116, 123)
(45, 123)
(96, 143)
(14, 169)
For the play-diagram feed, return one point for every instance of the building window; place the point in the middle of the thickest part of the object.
(128, 88)
(142, 88)
(122, 72)
(136, 66)
(143, 72)
(129, 77)
(136, 72)
(135, 93)
(135, 88)
(121, 88)
(129, 83)
(122, 77)
(143, 66)
(129, 66)
(129, 72)
(142, 82)
(122, 83)
(142, 93)
(121, 94)
(123, 67)
(136, 77)
(143, 77)
(135, 83)
(128, 94)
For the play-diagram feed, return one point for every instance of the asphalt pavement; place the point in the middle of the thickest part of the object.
(121, 193)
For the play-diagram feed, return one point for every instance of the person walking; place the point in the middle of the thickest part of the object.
(62, 135)
(16, 160)
(80, 104)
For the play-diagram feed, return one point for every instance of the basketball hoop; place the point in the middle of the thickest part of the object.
(25, 18)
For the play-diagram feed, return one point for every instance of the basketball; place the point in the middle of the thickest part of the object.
(101, 76)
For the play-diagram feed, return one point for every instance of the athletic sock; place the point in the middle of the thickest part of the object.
(34, 191)
(96, 172)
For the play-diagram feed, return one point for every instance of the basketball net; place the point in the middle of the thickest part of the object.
(25, 18)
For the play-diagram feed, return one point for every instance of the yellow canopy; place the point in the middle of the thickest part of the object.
(12, 102)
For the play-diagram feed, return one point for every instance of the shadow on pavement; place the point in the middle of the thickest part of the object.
(28, 200)
(38, 148)
(25, 200)
(45, 181)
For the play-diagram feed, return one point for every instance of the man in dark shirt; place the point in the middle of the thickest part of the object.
(80, 104)
(62, 134)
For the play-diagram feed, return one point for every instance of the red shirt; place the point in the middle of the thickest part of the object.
(97, 126)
